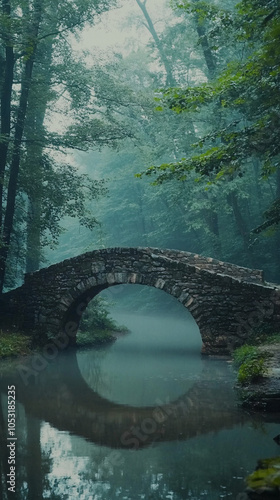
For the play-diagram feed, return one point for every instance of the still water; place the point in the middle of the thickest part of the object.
(144, 418)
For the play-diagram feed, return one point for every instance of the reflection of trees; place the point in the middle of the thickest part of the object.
(32, 466)
(34, 460)
(60, 395)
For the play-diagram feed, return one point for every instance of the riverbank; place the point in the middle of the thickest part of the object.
(263, 394)
(100, 337)
(16, 344)
(13, 344)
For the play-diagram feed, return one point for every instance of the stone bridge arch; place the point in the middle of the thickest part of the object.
(74, 303)
(225, 300)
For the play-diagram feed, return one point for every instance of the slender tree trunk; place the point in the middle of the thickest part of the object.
(6, 98)
(19, 128)
(207, 52)
(212, 220)
(242, 227)
(256, 166)
(278, 184)
(208, 55)
(277, 245)
(239, 219)
(170, 80)
(142, 219)
(34, 129)
(33, 240)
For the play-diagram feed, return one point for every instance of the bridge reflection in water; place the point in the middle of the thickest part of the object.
(61, 397)
(93, 451)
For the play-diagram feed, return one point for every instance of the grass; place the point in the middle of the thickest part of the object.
(14, 344)
(249, 360)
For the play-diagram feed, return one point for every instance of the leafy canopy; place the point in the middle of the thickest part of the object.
(244, 99)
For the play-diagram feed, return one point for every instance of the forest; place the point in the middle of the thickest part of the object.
(139, 123)
(170, 141)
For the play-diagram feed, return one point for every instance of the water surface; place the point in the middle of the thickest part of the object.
(144, 418)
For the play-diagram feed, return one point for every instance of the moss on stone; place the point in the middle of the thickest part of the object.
(265, 480)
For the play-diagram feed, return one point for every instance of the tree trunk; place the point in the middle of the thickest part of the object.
(170, 80)
(34, 157)
(212, 220)
(242, 227)
(33, 240)
(207, 52)
(208, 56)
(142, 219)
(19, 128)
(278, 184)
(34, 459)
(6, 98)
(277, 239)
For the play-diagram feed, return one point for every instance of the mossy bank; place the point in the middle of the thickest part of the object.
(258, 374)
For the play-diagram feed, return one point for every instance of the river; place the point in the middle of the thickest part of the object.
(146, 417)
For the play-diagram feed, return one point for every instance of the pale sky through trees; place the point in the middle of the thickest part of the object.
(122, 29)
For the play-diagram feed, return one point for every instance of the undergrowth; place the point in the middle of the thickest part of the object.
(94, 338)
(97, 326)
(249, 360)
(262, 335)
(14, 344)
(250, 363)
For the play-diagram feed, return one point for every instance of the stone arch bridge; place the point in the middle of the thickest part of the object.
(225, 300)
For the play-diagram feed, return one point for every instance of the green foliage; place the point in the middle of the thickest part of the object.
(96, 316)
(69, 198)
(273, 339)
(251, 370)
(262, 334)
(250, 362)
(96, 326)
(266, 478)
(14, 344)
(244, 353)
(40, 79)
(244, 96)
(97, 337)
(195, 214)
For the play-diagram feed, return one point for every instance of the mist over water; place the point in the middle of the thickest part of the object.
(91, 414)
(159, 358)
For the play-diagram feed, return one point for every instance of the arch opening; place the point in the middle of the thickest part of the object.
(77, 301)
(157, 360)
